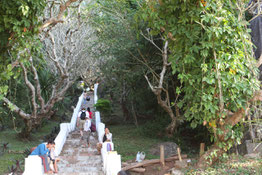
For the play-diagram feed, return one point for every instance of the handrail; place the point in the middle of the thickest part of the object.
(111, 161)
(33, 164)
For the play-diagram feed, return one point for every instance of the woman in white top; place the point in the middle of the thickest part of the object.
(106, 138)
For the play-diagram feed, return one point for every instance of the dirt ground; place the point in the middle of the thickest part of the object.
(156, 169)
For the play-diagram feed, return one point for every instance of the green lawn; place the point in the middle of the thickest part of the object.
(128, 141)
(16, 144)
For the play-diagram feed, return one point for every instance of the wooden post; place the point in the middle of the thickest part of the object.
(179, 154)
(202, 149)
(162, 155)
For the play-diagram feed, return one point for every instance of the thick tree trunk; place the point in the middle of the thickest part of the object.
(172, 126)
(26, 131)
(125, 110)
(213, 154)
(134, 113)
(210, 156)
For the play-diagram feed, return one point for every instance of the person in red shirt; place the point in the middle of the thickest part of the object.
(90, 113)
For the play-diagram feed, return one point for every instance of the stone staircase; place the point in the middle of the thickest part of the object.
(77, 159)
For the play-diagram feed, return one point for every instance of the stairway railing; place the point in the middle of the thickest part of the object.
(33, 164)
(111, 160)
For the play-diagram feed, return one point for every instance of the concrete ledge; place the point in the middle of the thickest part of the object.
(33, 166)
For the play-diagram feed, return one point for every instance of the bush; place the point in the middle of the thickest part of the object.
(103, 106)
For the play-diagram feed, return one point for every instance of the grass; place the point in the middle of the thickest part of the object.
(128, 140)
(234, 165)
(16, 144)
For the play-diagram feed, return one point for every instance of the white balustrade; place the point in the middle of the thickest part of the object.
(111, 160)
(33, 164)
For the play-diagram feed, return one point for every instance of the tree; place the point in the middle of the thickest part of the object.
(67, 58)
(211, 54)
(132, 59)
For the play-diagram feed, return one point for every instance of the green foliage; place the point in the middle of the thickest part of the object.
(123, 68)
(231, 166)
(210, 53)
(19, 25)
(103, 106)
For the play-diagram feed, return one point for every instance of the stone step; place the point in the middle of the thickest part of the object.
(66, 163)
(86, 173)
(78, 136)
(80, 169)
(81, 157)
(84, 154)
(81, 164)
(82, 146)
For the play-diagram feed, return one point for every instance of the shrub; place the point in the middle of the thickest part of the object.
(103, 106)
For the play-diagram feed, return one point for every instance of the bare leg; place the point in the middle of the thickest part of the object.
(81, 133)
(88, 138)
(55, 166)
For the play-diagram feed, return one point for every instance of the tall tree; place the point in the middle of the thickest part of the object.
(211, 54)
(65, 56)
(133, 58)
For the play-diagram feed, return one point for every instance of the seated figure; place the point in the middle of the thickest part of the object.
(43, 151)
(53, 160)
(106, 138)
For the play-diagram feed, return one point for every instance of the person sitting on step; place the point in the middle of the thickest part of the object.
(43, 150)
(53, 160)
(106, 138)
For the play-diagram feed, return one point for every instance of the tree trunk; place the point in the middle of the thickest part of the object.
(125, 111)
(213, 154)
(26, 131)
(210, 156)
(134, 113)
(171, 128)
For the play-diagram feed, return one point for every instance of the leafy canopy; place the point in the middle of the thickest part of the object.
(210, 53)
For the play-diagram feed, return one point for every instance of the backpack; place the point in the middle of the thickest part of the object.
(88, 98)
(93, 127)
(83, 115)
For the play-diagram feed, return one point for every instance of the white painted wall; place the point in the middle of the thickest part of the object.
(111, 160)
(33, 164)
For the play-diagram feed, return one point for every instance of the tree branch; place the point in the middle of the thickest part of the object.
(16, 109)
(58, 19)
(38, 86)
(32, 89)
(165, 62)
